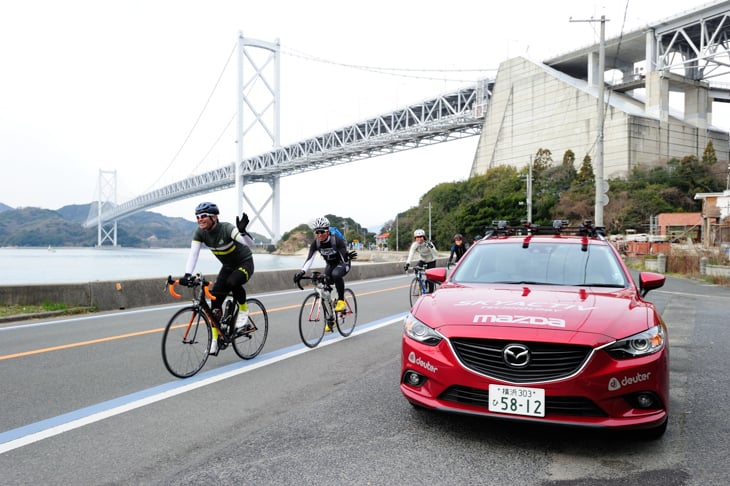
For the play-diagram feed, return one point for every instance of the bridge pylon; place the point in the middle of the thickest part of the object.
(259, 116)
(106, 231)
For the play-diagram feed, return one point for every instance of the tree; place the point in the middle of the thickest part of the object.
(585, 179)
(709, 157)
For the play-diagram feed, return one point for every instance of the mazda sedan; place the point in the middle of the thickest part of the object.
(546, 326)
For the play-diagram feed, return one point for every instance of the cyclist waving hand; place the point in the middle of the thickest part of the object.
(230, 245)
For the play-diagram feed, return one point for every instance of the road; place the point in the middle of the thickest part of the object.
(86, 400)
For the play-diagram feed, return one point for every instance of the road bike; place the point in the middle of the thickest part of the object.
(419, 284)
(317, 314)
(188, 335)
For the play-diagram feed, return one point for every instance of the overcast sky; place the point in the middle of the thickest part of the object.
(122, 86)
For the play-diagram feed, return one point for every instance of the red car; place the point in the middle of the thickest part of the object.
(547, 326)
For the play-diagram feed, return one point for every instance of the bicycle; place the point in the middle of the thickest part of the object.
(317, 314)
(419, 284)
(187, 336)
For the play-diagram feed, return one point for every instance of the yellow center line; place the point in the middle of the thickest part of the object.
(153, 331)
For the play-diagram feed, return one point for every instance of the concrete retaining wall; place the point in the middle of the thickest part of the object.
(125, 294)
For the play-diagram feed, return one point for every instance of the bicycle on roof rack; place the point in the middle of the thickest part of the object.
(187, 336)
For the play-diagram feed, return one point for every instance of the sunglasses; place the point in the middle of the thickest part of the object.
(203, 216)
(320, 232)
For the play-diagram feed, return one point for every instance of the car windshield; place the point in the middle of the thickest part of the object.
(547, 262)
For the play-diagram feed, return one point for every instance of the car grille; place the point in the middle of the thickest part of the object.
(572, 406)
(548, 361)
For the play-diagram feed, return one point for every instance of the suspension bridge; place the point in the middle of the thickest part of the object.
(693, 44)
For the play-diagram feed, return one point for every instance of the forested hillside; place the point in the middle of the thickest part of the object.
(560, 191)
(64, 227)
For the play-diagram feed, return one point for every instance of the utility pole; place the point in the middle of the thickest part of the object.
(429, 221)
(601, 186)
(529, 192)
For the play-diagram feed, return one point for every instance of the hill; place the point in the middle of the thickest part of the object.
(64, 227)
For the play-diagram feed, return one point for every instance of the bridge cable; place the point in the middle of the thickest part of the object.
(399, 72)
(207, 102)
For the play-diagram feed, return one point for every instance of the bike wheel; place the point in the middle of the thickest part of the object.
(311, 320)
(347, 319)
(250, 339)
(186, 342)
(415, 291)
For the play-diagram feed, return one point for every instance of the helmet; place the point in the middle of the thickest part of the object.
(458, 236)
(320, 223)
(419, 232)
(206, 207)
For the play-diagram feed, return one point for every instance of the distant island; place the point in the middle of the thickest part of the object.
(36, 227)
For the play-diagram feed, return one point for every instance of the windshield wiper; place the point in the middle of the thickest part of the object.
(612, 285)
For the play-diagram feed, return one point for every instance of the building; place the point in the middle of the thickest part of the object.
(715, 217)
(381, 241)
(680, 226)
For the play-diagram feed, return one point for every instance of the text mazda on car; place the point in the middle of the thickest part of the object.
(547, 326)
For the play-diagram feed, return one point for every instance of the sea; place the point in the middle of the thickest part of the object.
(38, 266)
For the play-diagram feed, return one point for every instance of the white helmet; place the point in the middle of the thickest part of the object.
(419, 232)
(320, 223)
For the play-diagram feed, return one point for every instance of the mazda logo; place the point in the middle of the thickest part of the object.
(516, 355)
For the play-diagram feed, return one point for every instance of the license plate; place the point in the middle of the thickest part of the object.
(517, 400)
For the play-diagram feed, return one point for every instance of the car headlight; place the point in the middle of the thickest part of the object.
(420, 332)
(642, 344)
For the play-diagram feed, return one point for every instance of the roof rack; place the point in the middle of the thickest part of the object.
(559, 227)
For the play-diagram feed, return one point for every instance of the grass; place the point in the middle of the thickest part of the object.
(12, 310)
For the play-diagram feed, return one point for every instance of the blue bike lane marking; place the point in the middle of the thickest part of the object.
(43, 429)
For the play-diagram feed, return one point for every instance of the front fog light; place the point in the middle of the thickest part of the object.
(644, 400)
(413, 379)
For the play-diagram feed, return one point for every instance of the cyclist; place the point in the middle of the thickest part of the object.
(427, 253)
(230, 245)
(334, 252)
(457, 249)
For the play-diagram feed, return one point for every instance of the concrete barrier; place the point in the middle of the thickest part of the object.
(126, 294)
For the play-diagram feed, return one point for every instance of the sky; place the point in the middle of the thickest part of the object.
(149, 88)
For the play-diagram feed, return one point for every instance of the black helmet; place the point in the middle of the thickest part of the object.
(206, 207)
(458, 236)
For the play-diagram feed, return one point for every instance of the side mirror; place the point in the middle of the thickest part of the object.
(436, 274)
(650, 281)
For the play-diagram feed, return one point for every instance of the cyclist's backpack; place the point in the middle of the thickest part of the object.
(337, 232)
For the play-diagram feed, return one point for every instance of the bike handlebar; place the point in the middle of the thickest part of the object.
(315, 277)
(197, 280)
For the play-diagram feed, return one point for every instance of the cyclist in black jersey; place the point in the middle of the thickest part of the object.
(231, 246)
(334, 252)
(457, 249)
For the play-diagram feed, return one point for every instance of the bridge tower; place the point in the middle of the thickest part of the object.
(259, 114)
(106, 231)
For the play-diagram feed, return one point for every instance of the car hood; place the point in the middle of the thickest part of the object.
(589, 315)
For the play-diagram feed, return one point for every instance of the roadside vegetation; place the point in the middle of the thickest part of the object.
(559, 191)
(44, 308)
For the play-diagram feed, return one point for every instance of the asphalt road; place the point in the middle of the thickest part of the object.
(87, 400)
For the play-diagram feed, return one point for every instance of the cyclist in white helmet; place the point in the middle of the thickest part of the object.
(427, 253)
(334, 252)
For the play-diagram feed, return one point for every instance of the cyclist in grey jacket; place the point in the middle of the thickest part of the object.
(426, 251)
